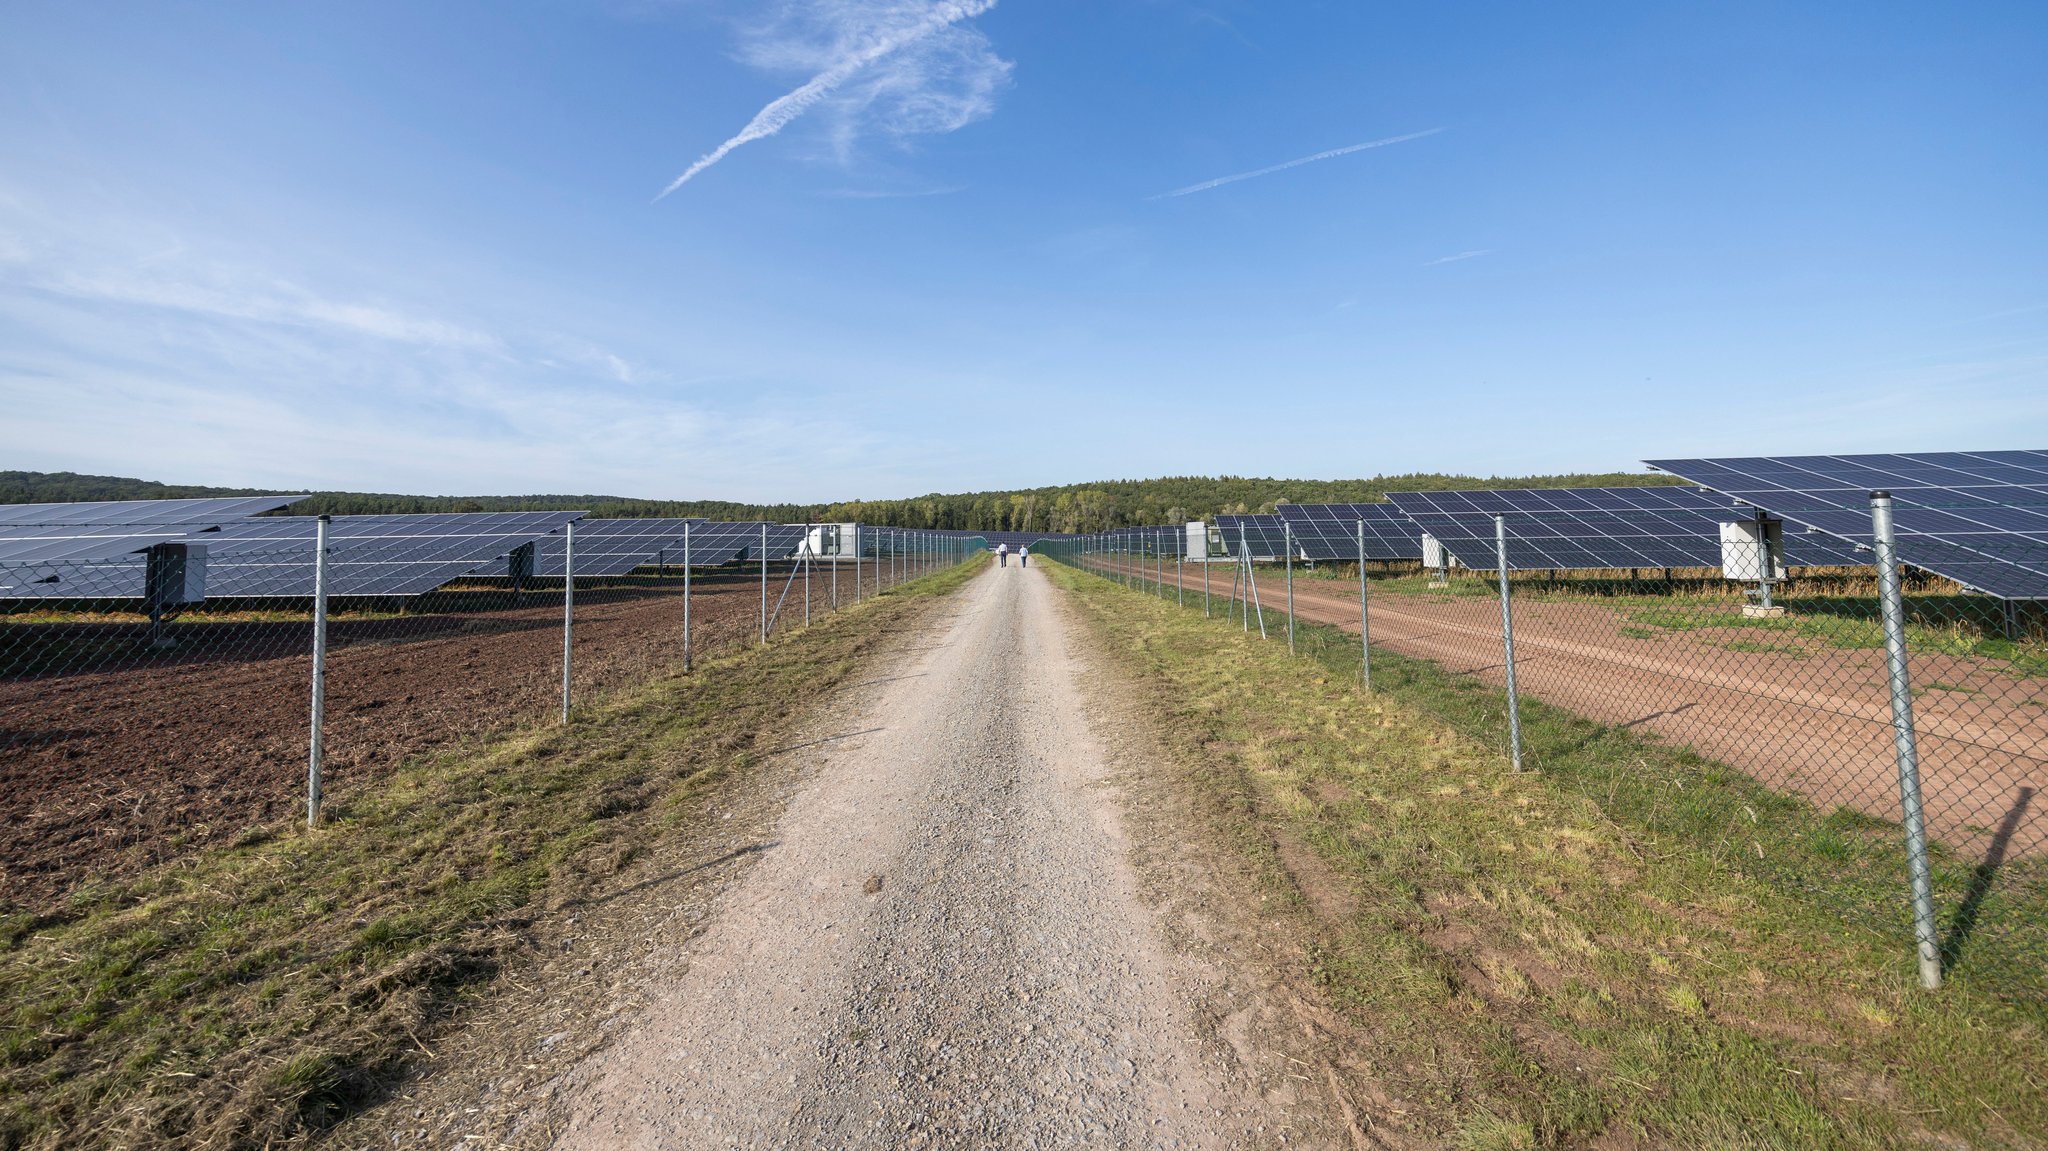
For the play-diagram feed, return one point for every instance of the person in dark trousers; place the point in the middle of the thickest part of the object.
(1024, 556)
(1003, 555)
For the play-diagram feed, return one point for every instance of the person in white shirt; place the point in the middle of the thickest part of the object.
(1003, 555)
(1024, 556)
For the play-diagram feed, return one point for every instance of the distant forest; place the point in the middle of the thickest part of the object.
(1068, 508)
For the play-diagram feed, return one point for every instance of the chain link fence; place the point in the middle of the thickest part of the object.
(136, 726)
(1879, 745)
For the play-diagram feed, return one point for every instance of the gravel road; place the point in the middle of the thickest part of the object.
(944, 946)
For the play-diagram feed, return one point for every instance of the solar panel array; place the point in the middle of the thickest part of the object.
(1263, 535)
(400, 555)
(1601, 528)
(107, 530)
(1979, 518)
(136, 513)
(1330, 531)
(615, 547)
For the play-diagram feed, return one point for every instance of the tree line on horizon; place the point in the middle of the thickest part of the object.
(1088, 507)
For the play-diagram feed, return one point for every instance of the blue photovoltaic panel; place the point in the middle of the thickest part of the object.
(714, 542)
(400, 555)
(1265, 536)
(58, 544)
(1330, 531)
(137, 513)
(1598, 528)
(92, 549)
(1979, 518)
(615, 547)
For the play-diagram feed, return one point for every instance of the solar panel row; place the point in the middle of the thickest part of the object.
(1330, 531)
(1265, 536)
(1979, 518)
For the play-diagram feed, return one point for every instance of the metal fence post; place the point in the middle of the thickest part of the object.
(1287, 539)
(1364, 620)
(1205, 574)
(1507, 638)
(568, 607)
(764, 585)
(1904, 743)
(316, 747)
(686, 596)
(837, 550)
(807, 579)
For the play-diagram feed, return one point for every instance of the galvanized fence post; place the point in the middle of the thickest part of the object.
(838, 549)
(1904, 744)
(316, 747)
(568, 607)
(1205, 574)
(1507, 638)
(1364, 619)
(1287, 540)
(857, 533)
(686, 596)
(764, 585)
(807, 579)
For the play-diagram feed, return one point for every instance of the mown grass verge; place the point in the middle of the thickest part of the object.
(1537, 963)
(254, 996)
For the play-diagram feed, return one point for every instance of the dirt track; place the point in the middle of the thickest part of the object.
(109, 772)
(1817, 722)
(943, 946)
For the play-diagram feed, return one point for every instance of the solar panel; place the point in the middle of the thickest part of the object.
(615, 547)
(1979, 518)
(367, 555)
(136, 513)
(57, 544)
(1632, 527)
(714, 542)
(92, 549)
(1330, 531)
(1265, 536)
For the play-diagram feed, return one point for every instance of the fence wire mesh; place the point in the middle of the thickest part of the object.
(1761, 731)
(130, 735)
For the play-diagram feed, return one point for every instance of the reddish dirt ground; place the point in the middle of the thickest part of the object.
(110, 771)
(1816, 721)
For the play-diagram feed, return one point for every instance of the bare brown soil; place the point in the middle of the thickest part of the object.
(110, 771)
(1813, 720)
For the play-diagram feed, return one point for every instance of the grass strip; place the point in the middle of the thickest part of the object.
(1540, 965)
(254, 995)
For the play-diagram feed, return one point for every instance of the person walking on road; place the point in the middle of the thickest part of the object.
(1024, 555)
(1003, 555)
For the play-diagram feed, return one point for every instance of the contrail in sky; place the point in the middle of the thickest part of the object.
(1331, 154)
(782, 110)
(1476, 252)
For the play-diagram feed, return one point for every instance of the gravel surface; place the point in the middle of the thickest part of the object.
(944, 947)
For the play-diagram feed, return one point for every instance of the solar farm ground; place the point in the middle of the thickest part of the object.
(110, 771)
(1797, 715)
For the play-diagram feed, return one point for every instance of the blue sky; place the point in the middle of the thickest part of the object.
(419, 247)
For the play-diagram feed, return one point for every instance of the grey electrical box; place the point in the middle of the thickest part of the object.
(1753, 551)
(176, 575)
(519, 565)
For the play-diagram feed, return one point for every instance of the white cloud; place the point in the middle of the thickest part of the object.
(900, 68)
(1330, 154)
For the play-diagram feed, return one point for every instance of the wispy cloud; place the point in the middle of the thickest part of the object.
(1329, 155)
(906, 66)
(886, 194)
(1471, 255)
